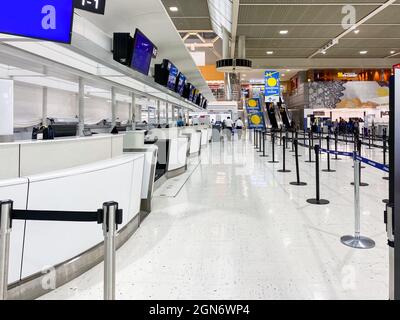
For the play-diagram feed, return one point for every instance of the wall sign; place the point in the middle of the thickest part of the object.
(96, 6)
(255, 116)
(272, 86)
(41, 19)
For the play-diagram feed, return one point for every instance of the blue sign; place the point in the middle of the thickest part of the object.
(42, 19)
(255, 116)
(272, 86)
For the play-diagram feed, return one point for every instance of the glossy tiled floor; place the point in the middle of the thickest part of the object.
(238, 230)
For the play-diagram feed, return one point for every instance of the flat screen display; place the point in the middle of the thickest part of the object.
(181, 84)
(192, 91)
(143, 51)
(173, 74)
(40, 19)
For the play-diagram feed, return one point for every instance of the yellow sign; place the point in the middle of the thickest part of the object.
(253, 103)
(255, 119)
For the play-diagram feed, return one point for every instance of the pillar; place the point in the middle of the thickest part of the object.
(81, 107)
(44, 106)
(113, 108)
(158, 111)
(225, 44)
(6, 110)
(242, 47)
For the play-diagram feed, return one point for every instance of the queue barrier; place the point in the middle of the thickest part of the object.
(110, 216)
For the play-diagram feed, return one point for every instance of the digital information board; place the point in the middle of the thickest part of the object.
(40, 19)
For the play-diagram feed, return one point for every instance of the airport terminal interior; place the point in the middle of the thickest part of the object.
(199, 150)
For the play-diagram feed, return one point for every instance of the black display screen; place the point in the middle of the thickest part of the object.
(96, 6)
(143, 51)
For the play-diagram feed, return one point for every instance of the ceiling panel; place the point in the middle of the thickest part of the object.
(279, 53)
(286, 43)
(294, 32)
(298, 14)
(192, 24)
(369, 43)
(339, 52)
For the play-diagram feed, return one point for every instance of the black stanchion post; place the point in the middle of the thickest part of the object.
(260, 144)
(292, 141)
(273, 149)
(296, 150)
(317, 200)
(287, 139)
(369, 139)
(297, 139)
(310, 146)
(284, 159)
(328, 155)
(280, 141)
(263, 149)
(336, 147)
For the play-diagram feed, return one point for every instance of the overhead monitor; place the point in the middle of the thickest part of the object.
(181, 84)
(40, 19)
(143, 51)
(173, 74)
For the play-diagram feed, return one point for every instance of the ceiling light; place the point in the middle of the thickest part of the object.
(270, 52)
(283, 32)
(356, 31)
(363, 52)
(283, 74)
(173, 9)
(392, 52)
(323, 52)
(288, 70)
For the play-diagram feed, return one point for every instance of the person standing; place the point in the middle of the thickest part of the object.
(239, 127)
(229, 127)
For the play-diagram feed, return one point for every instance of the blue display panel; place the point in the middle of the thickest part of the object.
(143, 51)
(173, 74)
(181, 84)
(41, 19)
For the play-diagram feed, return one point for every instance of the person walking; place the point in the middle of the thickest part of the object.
(229, 127)
(239, 127)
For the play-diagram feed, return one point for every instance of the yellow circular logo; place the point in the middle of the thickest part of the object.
(272, 82)
(255, 119)
(252, 103)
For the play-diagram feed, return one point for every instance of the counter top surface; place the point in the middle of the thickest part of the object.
(59, 140)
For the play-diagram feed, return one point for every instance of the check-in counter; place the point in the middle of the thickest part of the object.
(22, 158)
(70, 247)
(195, 139)
(173, 150)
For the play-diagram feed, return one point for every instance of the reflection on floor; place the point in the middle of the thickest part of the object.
(238, 230)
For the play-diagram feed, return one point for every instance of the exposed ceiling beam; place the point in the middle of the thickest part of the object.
(235, 21)
(195, 31)
(358, 24)
(314, 24)
(316, 38)
(314, 4)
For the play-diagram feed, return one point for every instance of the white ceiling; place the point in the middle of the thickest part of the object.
(151, 18)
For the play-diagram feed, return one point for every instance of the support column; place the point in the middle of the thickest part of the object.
(167, 112)
(225, 44)
(7, 110)
(242, 47)
(113, 107)
(187, 116)
(158, 111)
(44, 106)
(173, 113)
(81, 107)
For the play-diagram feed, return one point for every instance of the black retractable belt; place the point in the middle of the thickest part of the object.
(273, 149)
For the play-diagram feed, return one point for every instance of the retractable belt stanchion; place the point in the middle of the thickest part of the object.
(357, 241)
(328, 155)
(297, 139)
(280, 138)
(310, 146)
(296, 150)
(362, 184)
(369, 139)
(336, 147)
(317, 200)
(263, 145)
(109, 216)
(389, 220)
(254, 137)
(287, 139)
(292, 141)
(5, 230)
(273, 149)
(260, 143)
(284, 159)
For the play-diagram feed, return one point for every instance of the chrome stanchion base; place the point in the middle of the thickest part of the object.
(308, 161)
(298, 183)
(283, 171)
(362, 184)
(318, 202)
(358, 242)
(264, 156)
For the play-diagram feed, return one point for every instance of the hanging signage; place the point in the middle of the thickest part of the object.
(255, 116)
(272, 86)
(41, 19)
(347, 75)
(96, 6)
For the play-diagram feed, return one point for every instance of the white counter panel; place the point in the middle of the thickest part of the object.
(177, 153)
(9, 161)
(117, 146)
(40, 158)
(80, 189)
(195, 140)
(15, 190)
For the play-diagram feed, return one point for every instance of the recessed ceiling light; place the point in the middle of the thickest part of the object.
(283, 74)
(270, 52)
(363, 52)
(173, 9)
(288, 70)
(356, 31)
(283, 32)
(323, 52)
(392, 52)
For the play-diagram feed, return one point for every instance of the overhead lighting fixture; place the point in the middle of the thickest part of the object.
(270, 52)
(323, 52)
(392, 52)
(363, 52)
(283, 74)
(283, 32)
(288, 70)
(356, 31)
(173, 9)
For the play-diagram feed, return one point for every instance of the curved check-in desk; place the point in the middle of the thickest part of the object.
(70, 247)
